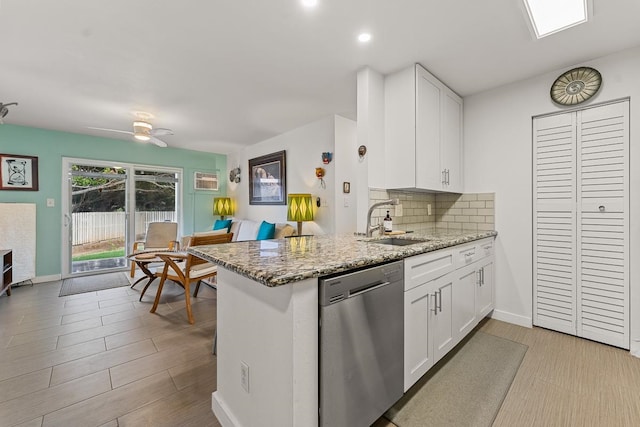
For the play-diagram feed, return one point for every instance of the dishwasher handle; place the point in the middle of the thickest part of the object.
(367, 288)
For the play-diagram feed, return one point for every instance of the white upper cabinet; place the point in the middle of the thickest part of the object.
(423, 132)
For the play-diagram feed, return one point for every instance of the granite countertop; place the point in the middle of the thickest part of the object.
(282, 261)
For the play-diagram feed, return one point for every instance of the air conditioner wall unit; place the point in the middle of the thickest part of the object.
(205, 181)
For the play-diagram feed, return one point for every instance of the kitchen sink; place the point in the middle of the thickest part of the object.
(394, 241)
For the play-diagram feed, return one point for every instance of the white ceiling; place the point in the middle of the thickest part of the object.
(227, 73)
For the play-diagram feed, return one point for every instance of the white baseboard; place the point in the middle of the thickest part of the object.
(515, 319)
(221, 411)
(50, 278)
(39, 279)
(635, 348)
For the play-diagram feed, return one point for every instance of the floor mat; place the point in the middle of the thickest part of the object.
(96, 282)
(465, 388)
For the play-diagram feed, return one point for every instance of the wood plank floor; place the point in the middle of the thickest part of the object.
(101, 359)
(566, 381)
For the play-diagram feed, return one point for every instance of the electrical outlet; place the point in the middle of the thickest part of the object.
(244, 376)
(398, 210)
(429, 209)
(51, 203)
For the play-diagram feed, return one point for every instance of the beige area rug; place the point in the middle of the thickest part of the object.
(465, 388)
(96, 282)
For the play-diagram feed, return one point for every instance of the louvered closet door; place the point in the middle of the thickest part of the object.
(554, 252)
(581, 223)
(603, 224)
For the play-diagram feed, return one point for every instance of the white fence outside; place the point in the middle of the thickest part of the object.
(94, 227)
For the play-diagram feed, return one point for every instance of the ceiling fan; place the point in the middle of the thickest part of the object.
(4, 110)
(143, 131)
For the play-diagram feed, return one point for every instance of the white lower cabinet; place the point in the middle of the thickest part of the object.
(418, 343)
(464, 308)
(485, 288)
(440, 311)
(429, 332)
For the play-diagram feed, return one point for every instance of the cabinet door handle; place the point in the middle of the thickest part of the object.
(448, 182)
(479, 277)
(437, 302)
(482, 274)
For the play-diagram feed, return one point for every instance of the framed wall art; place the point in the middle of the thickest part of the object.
(267, 179)
(18, 172)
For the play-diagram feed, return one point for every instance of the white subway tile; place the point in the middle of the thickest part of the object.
(486, 196)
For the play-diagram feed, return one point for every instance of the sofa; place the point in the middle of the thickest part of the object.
(246, 229)
(243, 230)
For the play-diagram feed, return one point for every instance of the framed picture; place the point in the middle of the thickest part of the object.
(267, 180)
(18, 172)
(346, 187)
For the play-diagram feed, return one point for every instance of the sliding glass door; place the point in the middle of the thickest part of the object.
(107, 206)
(155, 198)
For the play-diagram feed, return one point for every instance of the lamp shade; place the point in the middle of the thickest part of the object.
(222, 206)
(300, 207)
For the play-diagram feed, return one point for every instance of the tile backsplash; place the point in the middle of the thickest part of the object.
(443, 211)
(473, 211)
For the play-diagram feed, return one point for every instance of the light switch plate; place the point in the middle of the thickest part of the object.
(51, 203)
(398, 210)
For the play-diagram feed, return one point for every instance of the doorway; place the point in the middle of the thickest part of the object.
(107, 206)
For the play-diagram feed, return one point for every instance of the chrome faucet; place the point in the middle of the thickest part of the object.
(390, 202)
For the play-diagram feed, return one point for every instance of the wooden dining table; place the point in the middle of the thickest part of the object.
(144, 261)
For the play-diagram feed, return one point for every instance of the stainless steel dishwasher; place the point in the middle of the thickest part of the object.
(361, 345)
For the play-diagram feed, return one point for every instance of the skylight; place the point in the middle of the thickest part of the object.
(551, 16)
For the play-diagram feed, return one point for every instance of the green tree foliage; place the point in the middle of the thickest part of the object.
(98, 189)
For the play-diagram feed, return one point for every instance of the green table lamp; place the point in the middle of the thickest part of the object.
(299, 208)
(222, 206)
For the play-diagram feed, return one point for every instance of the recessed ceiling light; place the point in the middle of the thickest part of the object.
(551, 16)
(364, 37)
(309, 3)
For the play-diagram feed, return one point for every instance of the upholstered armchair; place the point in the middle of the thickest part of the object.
(160, 236)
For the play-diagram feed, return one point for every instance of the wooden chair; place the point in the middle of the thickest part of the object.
(190, 270)
(160, 236)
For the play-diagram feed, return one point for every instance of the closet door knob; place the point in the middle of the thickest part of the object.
(601, 208)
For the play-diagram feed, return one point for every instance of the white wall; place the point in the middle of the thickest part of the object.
(498, 158)
(346, 163)
(304, 147)
(370, 133)
(274, 331)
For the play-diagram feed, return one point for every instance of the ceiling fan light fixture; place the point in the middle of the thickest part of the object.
(141, 137)
(142, 131)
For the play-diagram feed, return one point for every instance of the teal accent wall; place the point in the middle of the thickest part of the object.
(51, 146)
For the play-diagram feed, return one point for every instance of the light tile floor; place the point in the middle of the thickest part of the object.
(102, 359)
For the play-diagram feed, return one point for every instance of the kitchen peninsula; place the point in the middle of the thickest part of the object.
(267, 318)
